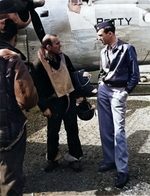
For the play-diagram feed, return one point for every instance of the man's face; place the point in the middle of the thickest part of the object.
(105, 38)
(56, 46)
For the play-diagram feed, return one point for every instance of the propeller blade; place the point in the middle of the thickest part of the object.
(37, 24)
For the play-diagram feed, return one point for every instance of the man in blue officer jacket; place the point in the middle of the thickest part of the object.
(119, 75)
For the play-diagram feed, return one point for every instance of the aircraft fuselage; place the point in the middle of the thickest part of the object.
(77, 34)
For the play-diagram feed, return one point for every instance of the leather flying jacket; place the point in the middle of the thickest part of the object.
(5, 45)
(123, 70)
(17, 92)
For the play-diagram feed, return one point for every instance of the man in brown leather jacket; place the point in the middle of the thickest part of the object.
(17, 93)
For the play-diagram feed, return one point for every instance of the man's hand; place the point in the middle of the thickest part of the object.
(47, 113)
(79, 100)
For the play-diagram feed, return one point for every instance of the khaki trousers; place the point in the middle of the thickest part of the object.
(11, 175)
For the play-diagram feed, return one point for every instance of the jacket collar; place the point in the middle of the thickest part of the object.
(6, 45)
(117, 47)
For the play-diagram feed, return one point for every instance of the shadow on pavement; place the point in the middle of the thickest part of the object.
(64, 179)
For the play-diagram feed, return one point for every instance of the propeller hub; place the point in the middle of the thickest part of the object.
(38, 3)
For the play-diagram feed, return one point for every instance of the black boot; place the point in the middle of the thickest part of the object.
(51, 166)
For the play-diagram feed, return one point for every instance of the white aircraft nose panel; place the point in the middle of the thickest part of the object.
(84, 20)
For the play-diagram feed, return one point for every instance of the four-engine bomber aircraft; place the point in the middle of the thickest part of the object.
(73, 21)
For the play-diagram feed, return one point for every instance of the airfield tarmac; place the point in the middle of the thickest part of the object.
(63, 181)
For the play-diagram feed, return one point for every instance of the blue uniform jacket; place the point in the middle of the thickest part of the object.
(123, 71)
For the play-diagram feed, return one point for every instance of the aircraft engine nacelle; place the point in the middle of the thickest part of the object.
(23, 12)
(17, 19)
(18, 10)
(7, 6)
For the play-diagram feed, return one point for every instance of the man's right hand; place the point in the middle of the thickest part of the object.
(47, 113)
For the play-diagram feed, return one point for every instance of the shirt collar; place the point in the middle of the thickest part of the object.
(113, 45)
